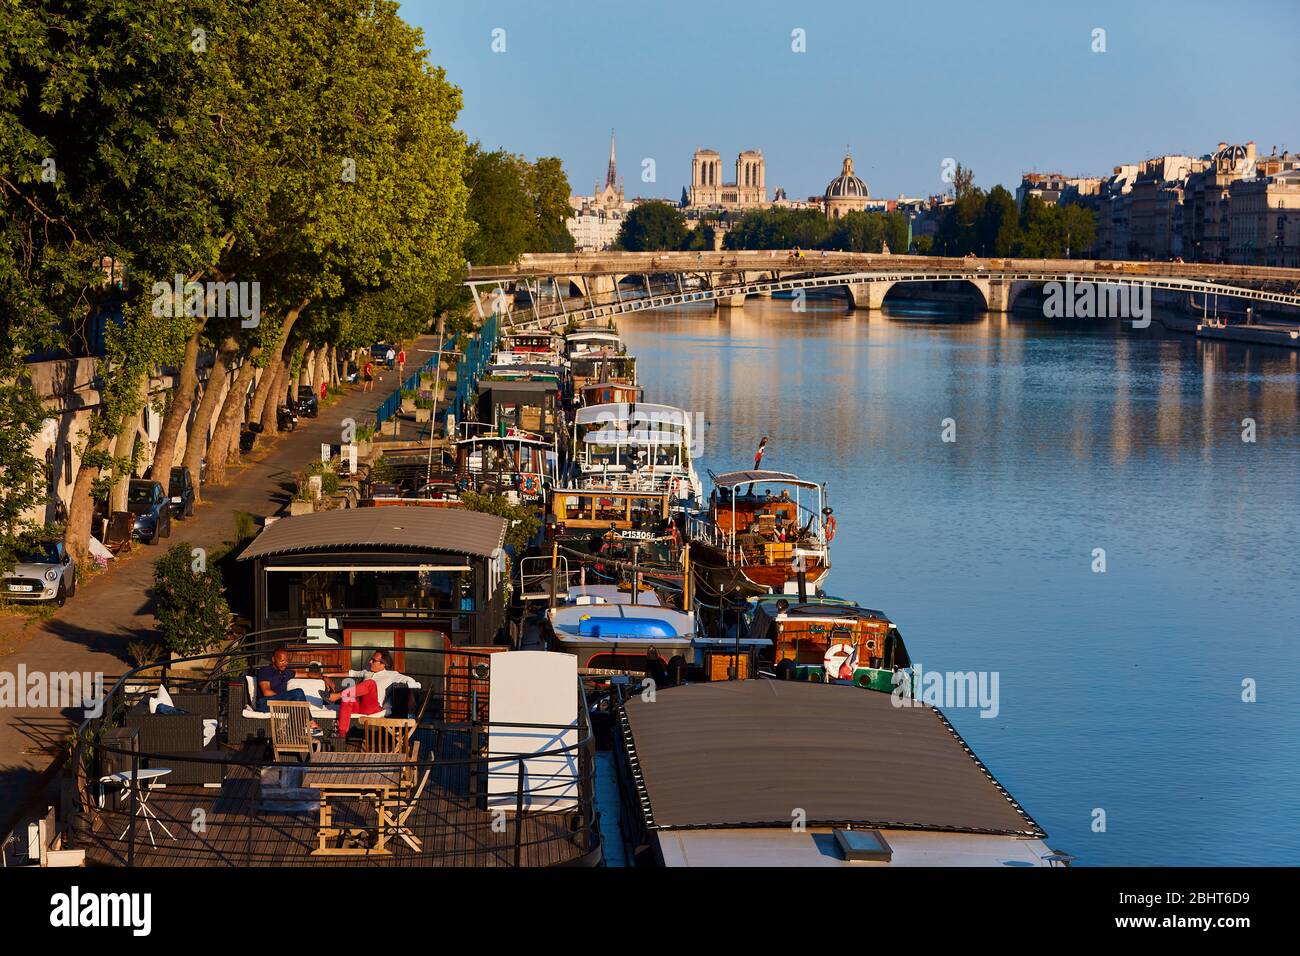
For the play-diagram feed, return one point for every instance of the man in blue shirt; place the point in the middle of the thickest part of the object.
(273, 682)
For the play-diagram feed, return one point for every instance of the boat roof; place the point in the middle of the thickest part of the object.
(615, 436)
(592, 334)
(401, 527)
(509, 439)
(606, 492)
(516, 385)
(610, 594)
(732, 478)
(630, 411)
(744, 753)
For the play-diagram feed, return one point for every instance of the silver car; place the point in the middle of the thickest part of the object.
(45, 573)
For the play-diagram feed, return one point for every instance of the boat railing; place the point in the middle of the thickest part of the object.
(545, 577)
(237, 802)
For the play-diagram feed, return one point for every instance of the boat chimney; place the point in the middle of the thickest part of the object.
(802, 578)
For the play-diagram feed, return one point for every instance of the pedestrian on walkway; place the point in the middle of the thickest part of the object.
(368, 376)
(391, 357)
(401, 362)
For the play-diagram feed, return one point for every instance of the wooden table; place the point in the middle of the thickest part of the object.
(355, 779)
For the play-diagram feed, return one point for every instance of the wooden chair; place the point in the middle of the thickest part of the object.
(291, 728)
(404, 807)
(386, 735)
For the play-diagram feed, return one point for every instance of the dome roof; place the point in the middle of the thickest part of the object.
(847, 185)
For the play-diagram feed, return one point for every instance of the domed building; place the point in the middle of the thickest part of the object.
(846, 192)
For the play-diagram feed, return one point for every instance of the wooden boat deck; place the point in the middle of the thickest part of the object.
(240, 825)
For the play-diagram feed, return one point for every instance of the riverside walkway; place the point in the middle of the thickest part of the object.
(90, 633)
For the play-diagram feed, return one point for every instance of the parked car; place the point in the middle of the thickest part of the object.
(44, 573)
(151, 507)
(180, 488)
(379, 353)
(307, 403)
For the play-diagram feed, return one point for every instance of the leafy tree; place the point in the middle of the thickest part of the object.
(999, 224)
(523, 520)
(190, 607)
(652, 227)
(548, 187)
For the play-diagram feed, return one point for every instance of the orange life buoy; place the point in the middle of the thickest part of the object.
(830, 529)
(529, 484)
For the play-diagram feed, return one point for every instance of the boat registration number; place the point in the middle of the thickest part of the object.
(638, 535)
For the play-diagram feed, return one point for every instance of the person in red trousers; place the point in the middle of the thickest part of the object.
(366, 697)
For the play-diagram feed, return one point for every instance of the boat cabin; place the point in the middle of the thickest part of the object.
(602, 365)
(635, 447)
(587, 340)
(828, 639)
(396, 577)
(608, 393)
(520, 465)
(768, 525)
(530, 406)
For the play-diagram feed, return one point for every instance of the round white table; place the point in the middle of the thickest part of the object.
(142, 809)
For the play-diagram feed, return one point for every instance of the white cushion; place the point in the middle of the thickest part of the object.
(209, 731)
(162, 697)
(251, 681)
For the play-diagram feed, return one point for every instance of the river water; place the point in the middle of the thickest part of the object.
(1121, 725)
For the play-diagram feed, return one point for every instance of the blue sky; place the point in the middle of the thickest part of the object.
(1003, 87)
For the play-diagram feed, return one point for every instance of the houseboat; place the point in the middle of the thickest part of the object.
(827, 639)
(764, 532)
(523, 466)
(635, 447)
(710, 774)
(607, 393)
(601, 365)
(531, 405)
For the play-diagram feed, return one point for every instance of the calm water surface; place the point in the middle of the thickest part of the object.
(1120, 691)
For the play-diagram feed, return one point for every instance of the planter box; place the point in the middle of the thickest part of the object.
(297, 507)
(363, 449)
(408, 405)
(423, 414)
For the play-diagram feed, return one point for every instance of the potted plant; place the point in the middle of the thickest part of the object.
(423, 409)
(364, 436)
(409, 395)
(304, 502)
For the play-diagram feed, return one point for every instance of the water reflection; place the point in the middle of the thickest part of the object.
(1120, 691)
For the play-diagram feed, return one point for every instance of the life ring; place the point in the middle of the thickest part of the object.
(530, 484)
(676, 538)
(840, 661)
(830, 528)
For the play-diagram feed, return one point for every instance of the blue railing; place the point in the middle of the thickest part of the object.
(393, 402)
(473, 363)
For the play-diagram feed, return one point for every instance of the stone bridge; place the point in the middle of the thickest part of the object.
(599, 280)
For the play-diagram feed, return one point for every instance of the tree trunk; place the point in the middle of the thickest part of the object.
(76, 532)
(197, 446)
(124, 447)
(227, 430)
(182, 403)
(258, 411)
(274, 397)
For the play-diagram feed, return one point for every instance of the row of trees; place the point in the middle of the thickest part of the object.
(661, 227)
(299, 155)
(991, 224)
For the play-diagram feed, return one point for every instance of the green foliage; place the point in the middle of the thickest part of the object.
(652, 227)
(988, 224)
(516, 206)
(22, 478)
(189, 604)
(523, 522)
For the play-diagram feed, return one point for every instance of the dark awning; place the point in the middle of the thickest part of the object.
(756, 752)
(746, 477)
(400, 527)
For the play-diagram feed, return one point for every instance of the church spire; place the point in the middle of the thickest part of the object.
(611, 177)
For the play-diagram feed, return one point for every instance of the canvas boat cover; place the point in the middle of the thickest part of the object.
(751, 753)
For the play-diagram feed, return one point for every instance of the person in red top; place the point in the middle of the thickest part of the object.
(368, 376)
(323, 389)
(401, 362)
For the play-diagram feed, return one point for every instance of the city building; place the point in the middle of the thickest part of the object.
(1264, 219)
(709, 190)
(1054, 188)
(597, 218)
(1207, 194)
(845, 193)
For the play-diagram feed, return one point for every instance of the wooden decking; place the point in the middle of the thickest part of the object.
(241, 824)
